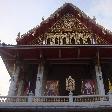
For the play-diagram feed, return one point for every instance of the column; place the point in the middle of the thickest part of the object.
(20, 88)
(14, 78)
(99, 79)
(39, 81)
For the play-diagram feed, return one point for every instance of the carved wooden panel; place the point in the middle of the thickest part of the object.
(68, 31)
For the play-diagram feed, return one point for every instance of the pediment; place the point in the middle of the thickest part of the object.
(68, 31)
(67, 26)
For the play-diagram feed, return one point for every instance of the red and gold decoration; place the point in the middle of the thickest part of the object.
(88, 87)
(27, 88)
(67, 30)
(52, 88)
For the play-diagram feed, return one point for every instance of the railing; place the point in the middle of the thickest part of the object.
(53, 99)
(90, 98)
(55, 103)
(6, 99)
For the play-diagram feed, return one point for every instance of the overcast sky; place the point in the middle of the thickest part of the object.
(22, 15)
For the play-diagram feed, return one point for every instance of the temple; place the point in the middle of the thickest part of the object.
(64, 64)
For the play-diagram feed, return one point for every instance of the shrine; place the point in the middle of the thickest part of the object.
(64, 64)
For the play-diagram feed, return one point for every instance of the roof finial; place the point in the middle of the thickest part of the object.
(94, 18)
(18, 35)
(43, 18)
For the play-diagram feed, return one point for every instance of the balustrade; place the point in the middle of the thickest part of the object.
(6, 99)
(90, 98)
(51, 99)
(62, 99)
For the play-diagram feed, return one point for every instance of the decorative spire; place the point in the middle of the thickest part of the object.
(94, 18)
(18, 35)
(42, 18)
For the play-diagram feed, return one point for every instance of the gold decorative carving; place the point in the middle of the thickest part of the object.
(68, 30)
(70, 84)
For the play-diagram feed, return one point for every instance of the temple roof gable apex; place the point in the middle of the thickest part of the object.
(67, 8)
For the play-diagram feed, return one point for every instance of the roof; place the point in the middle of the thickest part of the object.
(45, 25)
(26, 51)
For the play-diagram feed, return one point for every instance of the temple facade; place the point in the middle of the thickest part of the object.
(64, 64)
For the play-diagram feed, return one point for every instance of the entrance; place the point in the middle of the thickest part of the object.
(78, 72)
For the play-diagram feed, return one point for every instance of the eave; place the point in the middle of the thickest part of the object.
(59, 52)
(55, 46)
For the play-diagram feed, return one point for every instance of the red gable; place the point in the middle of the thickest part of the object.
(36, 36)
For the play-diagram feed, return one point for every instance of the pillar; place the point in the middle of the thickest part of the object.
(20, 87)
(71, 97)
(99, 79)
(14, 78)
(39, 81)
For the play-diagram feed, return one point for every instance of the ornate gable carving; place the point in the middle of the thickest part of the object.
(68, 23)
(68, 31)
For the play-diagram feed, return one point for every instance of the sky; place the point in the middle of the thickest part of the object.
(22, 15)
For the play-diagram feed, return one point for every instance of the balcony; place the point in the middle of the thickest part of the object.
(54, 103)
